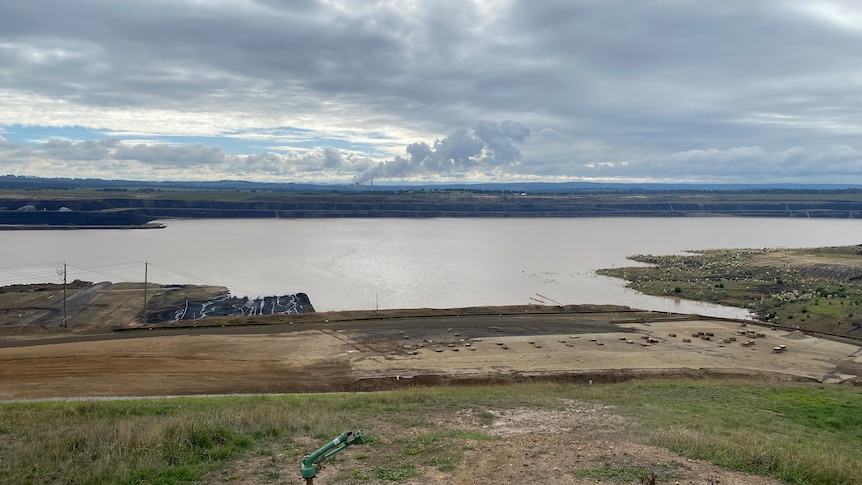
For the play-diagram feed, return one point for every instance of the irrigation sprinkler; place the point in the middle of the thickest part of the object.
(312, 463)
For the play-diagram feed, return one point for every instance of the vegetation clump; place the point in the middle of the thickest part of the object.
(815, 289)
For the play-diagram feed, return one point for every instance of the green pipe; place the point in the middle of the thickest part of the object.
(311, 464)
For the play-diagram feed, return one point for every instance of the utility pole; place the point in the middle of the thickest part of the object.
(144, 314)
(65, 308)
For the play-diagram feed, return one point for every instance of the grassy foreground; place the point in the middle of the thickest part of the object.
(801, 433)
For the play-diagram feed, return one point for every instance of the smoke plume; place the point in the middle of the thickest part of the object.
(487, 144)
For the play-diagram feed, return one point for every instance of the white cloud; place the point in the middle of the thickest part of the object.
(841, 164)
(843, 14)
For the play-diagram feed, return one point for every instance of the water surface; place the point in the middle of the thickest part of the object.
(345, 264)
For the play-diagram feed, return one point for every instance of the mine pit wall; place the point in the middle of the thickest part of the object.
(353, 205)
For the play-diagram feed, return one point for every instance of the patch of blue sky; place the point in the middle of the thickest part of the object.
(287, 139)
(339, 143)
(279, 140)
(31, 135)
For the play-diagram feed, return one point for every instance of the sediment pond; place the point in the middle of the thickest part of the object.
(346, 264)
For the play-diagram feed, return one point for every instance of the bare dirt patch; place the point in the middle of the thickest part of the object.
(566, 459)
(841, 263)
(580, 443)
(640, 346)
(586, 419)
(178, 365)
(376, 356)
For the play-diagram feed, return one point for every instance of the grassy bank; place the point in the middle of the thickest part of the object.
(816, 289)
(805, 434)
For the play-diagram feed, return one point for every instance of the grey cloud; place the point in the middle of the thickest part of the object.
(327, 161)
(109, 142)
(332, 158)
(554, 55)
(499, 138)
(267, 163)
(109, 154)
(737, 165)
(87, 150)
(183, 155)
(633, 80)
(186, 161)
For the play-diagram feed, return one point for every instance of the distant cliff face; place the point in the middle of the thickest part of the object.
(431, 204)
(70, 218)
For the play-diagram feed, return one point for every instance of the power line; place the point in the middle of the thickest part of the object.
(200, 279)
(48, 272)
(43, 272)
(96, 271)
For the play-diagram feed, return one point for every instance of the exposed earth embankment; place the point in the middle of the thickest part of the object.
(84, 307)
(318, 354)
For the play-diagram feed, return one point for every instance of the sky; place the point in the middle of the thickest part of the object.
(341, 91)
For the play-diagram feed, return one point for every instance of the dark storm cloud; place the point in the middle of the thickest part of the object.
(635, 87)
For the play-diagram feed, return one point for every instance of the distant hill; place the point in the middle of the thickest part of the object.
(21, 182)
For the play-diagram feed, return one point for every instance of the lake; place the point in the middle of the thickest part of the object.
(348, 264)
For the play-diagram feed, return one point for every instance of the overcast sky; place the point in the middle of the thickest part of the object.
(756, 91)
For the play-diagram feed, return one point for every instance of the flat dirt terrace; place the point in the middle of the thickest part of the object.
(392, 353)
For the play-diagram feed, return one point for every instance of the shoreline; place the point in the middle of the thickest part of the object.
(58, 227)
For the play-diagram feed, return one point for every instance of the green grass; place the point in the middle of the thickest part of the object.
(793, 287)
(805, 434)
(826, 307)
(801, 434)
(438, 448)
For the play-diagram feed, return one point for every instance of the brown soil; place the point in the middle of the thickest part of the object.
(373, 355)
(90, 308)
